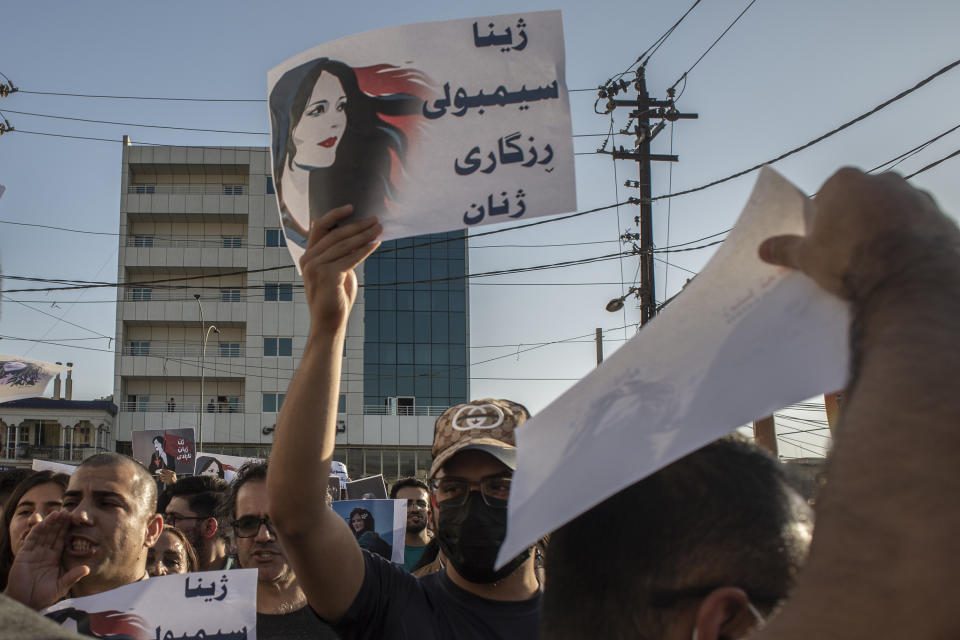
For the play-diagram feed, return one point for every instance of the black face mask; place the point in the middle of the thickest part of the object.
(470, 536)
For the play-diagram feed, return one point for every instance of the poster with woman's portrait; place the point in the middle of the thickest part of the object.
(430, 127)
(221, 465)
(159, 449)
(23, 378)
(378, 525)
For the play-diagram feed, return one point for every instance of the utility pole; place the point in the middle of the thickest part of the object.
(599, 339)
(644, 108)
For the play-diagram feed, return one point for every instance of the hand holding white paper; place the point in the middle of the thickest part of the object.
(430, 127)
(744, 339)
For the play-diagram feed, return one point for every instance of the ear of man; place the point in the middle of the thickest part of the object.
(210, 528)
(724, 615)
(153, 531)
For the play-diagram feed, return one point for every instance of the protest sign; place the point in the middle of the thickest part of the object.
(215, 605)
(333, 488)
(159, 449)
(220, 465)
(23, 378)
(379, 525)
(367, 489)
(430, 127)
(49, 465)
(744, 339)
(339, 470)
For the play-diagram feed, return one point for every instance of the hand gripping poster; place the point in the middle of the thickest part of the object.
(210, 605)
(22, 378)
(430, 127)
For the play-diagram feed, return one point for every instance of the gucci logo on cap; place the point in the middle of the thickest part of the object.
(473, 416)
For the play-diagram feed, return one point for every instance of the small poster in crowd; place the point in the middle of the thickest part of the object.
(744, 339)
(220, 465)
(339, 470)
(159, 449)
(430, 127)
(333, 488)
(379, 525)
(23, 378)
(56, 467)
(371, 488)
(219, 605)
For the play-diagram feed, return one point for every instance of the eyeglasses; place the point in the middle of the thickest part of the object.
(454, 491)
(249, 526)
(173, 518)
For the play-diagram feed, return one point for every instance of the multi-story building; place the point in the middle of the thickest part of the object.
(213, 319)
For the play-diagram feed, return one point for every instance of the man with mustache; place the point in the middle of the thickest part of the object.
(97, 542)
(282, 610)
(417, 536)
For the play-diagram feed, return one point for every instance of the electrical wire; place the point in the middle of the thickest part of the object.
(816, 140)
(170, 99)
(132, 124)
(907, 154)
(932, 164)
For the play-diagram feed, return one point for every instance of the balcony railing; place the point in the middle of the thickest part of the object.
(185, 350)
(146, 293)
(379, 410)
(189, 189)
(147, 241)
(182, 407)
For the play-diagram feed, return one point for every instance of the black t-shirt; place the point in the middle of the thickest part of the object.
(394, 604)
(302, 624)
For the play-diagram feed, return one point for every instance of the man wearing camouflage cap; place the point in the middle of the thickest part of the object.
(474, 450)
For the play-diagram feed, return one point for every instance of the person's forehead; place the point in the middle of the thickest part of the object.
(181, 506)
(472, 465)
(168, 541)
(252, 499)
(327, 86)
(411, 493)
(113, 478)
(46, 492)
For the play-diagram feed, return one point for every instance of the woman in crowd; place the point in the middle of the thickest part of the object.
(34, 498)
(363, 526)
(171, 554)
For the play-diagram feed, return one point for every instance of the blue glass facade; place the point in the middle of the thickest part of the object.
(415, 327)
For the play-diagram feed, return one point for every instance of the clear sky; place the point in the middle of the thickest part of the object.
(786, 73)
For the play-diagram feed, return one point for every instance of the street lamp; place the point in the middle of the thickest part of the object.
(203, 354)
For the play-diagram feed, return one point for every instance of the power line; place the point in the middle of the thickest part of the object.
(932, 164)
(131, 124)
(821, 138)
(906, 154)
(170, 99)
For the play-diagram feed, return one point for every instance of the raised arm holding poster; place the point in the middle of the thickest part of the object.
(430, 127)
(215, 605)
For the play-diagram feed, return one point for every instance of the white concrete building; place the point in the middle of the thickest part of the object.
(200, 233)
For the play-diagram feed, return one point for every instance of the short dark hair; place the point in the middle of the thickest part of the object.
(247, 473)
(721, 516)
(407, 483)
(204, 496)
(144, 486)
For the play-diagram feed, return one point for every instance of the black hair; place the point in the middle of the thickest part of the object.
(34, 479)
(366, 516)
(209, 462)
(721, 516)
(144, 486)
(159, 439)
(406, 483)
(247, 473)
(202, 493)
(360, 174)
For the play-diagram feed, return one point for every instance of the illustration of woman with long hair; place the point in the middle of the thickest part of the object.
(160, 459)
(340, 136)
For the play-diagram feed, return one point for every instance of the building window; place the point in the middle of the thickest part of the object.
(278, 346)
(141, 294)
(232, 242)
(270, 189)
(272, 402)
(231, 295)
(278, 292)
(144, 188)
(229, 349)
(342, 403)
(138, 403)
(143, 241)
(233, 404)
(139, 348)
(274, 238)
(233, 189)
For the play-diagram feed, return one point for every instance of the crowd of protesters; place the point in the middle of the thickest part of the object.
(715, 545)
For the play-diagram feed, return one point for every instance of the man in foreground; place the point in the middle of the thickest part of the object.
(882, 563)
(361, 594)
(417, 495)
(192, 508)
(282, 610)
(97, 542)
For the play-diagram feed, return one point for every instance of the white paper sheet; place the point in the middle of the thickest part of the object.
(485, 136)
(22, 378)
(207, 604)
(744, 339)
(49, 465)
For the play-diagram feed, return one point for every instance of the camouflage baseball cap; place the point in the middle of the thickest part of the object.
(485, 425)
